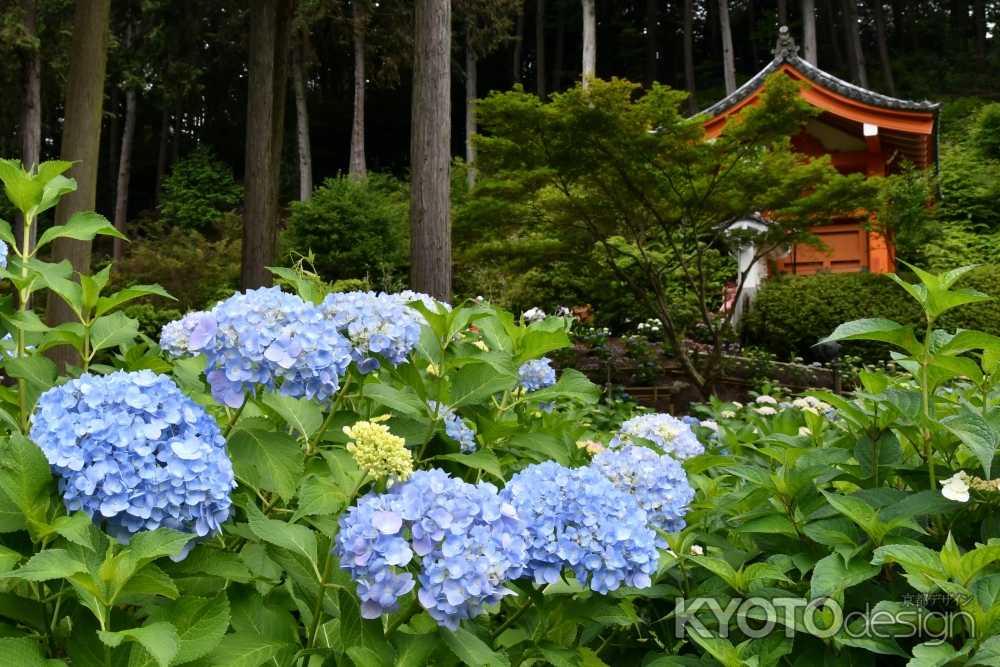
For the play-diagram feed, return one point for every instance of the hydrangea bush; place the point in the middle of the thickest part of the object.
(294, 477)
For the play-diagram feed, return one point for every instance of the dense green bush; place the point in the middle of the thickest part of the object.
(193, 268)
(790, 314)
(352, 229)
(198, 191)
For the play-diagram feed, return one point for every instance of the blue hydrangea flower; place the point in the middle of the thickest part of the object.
(3, 255)
(665, 431)
(376, 324)
(657, 482)
(263, 338)
(537, 374)
(189, 335)
(454, 427)
(469, 544)
(577, 519)
(135, 453)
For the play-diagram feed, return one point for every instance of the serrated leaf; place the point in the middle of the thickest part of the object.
(472, 650)
(112, 330)
(158, 639)
(82, 226)
(474, 383)
(201, 624)
(246, 650)
(296, 538)
(481, 459)
(300, 414)
(46, 565)
(269, 460)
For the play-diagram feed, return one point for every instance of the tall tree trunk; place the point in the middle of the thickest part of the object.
(557, 66)
(124, 170)
(809, 31)
(979, 21)
(518, 43)
(31, 105)
(430, 154)
(855, 54)
(81, 142)
(589, 41)
(540, 47)
(161, 157)
(830, 12)
(782, 12)
(268, 72)
(302, 123)
(728, 60)
(471, 65)
(692, 103)
(124, 160)
(113, 112)
(883, 45)
(652, 30)
(358, 167)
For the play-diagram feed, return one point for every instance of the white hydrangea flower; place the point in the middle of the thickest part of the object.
(804, 431)
(710, 425)
(767, 400)
(697, 550)
(956, 487)
(727, 414)
(533, 315)
(765, 410)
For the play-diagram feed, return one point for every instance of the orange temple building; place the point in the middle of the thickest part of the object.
(862, 131)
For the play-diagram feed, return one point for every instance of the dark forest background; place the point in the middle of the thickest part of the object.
(188, 61)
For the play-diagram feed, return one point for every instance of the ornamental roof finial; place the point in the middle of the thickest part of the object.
(786, 48)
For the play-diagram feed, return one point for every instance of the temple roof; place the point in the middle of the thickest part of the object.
(906, 126)
(786, 52)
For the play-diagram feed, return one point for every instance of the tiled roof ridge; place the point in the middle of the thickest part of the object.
(786, 51)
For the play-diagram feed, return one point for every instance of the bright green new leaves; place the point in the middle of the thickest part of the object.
(34, 192)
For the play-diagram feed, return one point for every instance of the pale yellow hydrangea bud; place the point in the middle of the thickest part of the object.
(434, 369)
(482, 345)
(593, 447)
(377, 451)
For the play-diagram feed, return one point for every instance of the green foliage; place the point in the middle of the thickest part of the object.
(352, 228)
(198, 191)
(196, 268)
(869, 503)
(986, 134)
(635, 178)
(791, 313)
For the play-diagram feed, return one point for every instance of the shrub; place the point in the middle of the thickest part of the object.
(352, 229)
(195, 270)
(198, 191)
(986, 134)
(791, 313)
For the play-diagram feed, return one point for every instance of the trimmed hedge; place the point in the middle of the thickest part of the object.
(791, 313)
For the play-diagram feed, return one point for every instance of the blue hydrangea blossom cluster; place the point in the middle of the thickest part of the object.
(577, 519)
(657, 482)
(668, 433)
(455, 427)
(3, 255)
(135, 454)
(468, 541)
(376, 324)
(261, 338)
(537, 374)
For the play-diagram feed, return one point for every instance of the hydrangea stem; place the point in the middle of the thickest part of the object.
(24, 296)
(513, 618)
